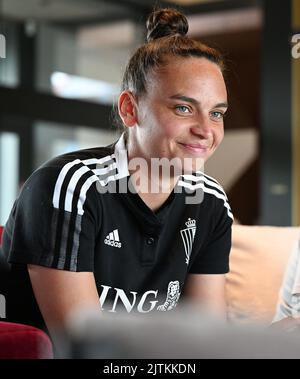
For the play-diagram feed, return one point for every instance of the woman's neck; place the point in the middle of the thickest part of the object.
(151, 181)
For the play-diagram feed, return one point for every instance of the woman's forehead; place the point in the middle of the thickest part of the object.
(187, 74)
(200, 64)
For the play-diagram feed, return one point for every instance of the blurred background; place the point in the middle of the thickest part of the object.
(61, 65)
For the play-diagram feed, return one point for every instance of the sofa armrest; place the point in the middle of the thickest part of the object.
(19, 341)
(258, 259)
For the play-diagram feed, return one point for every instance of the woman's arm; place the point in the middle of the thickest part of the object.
(59, 293)
(207, 291)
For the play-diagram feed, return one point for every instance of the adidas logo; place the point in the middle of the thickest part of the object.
(112, 239)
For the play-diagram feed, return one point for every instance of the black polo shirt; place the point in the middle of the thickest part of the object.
(75, 213)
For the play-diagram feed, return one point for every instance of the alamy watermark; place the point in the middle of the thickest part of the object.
(159, 175)
(296, 46)
(2, 306)
(2, 46)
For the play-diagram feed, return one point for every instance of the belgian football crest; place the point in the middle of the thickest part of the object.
(188, 236)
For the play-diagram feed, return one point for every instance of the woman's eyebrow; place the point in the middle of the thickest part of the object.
(196, 102)
(185, 98)
(221, 105)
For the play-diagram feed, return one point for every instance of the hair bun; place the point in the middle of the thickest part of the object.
(166, 22)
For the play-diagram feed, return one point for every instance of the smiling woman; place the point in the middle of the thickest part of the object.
(86, 232)
(182, 116)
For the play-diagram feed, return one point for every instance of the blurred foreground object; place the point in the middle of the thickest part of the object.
(186, 333)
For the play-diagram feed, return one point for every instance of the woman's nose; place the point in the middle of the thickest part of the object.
(202, 127)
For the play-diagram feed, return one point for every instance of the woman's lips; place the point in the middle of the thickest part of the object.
(195, 147)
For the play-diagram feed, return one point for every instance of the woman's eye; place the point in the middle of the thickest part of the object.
(183, 109)
(217, 114)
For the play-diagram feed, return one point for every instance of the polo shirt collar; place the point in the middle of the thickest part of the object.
(149, 221)
(121, 157)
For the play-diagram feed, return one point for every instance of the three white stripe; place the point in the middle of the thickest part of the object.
(76, 177)
(206, 179)
(202, 186)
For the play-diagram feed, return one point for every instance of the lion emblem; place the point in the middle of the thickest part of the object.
(173, 295)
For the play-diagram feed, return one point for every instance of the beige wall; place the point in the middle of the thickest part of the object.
(232, 158)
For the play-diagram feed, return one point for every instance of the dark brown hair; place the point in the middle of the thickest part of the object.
(166, 37)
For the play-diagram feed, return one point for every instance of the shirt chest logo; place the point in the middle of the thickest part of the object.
(188, 236)
(114, 297)
(113, 239)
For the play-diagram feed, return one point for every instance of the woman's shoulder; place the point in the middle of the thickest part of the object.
(68, 171)
(202, 181)
(207, 192)
(87, 157)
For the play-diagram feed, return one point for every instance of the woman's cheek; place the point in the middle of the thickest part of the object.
(221, 136)
(173, 129)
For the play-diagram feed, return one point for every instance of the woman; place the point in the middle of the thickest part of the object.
(84, 235)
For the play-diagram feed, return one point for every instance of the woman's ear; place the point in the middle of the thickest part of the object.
(127, 108)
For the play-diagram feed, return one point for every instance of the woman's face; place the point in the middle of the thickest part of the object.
(181, 115)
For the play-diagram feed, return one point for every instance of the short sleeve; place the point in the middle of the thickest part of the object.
(213, 257)
(54, 221)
